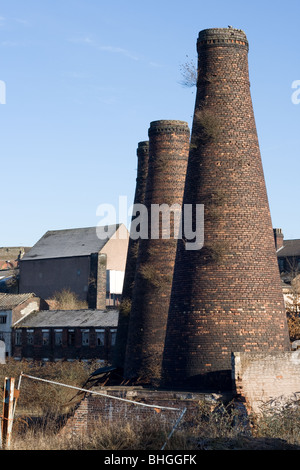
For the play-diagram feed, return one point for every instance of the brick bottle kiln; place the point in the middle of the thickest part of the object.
(227, 296)
(168, 155)
(125, 306)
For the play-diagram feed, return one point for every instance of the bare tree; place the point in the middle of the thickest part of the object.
(189, 73)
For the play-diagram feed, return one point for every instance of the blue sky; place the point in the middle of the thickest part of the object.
(84, 79)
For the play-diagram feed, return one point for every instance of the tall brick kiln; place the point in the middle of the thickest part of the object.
(226, 297)
(125, 306)
(168, 155)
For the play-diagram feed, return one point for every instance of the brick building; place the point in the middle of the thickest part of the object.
(9, 268)
(13, 308)
(288, 255)
(78, 260)
(10, 256)
(65, 335)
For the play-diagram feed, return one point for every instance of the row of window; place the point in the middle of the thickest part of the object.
(58, 337)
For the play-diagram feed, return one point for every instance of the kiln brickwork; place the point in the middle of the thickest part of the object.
(227, 296)
(168, 154)
(125, 306)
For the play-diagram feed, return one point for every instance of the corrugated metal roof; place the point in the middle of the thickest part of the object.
(290, 248)
(8, 301)
(70, 318)
(68, 243)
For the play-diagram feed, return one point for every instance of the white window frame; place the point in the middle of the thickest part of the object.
(100, 333)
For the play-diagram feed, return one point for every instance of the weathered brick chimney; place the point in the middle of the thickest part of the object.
(168, 155)
(125, 305)
(278, 237)
(227, 296)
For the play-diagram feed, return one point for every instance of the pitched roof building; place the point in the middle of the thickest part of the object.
(14, 308)
(288, 255)
(66, 335)
(89, 263)
(10, 301)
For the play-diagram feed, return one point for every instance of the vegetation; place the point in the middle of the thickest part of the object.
(207, 125)
(125, 307)
(292, 299)
(293, 320)
(189, 73)
(149, 273)
(40, 398)
(42, 409)
(67, 300)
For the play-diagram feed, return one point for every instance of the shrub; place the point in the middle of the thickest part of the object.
(68, 300)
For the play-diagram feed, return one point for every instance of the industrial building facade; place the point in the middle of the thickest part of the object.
(66, 335)
(77, 260)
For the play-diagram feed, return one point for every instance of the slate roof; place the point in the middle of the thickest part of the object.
(9, 301)
(290, 248)
(68, 243)
(70, 318)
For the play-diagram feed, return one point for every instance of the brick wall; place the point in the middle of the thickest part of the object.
(101, 281)
(124, 311)
(94, 408)
(264, 377)
(168, 155)
(45, 277)
(71, 346)
(227, 296)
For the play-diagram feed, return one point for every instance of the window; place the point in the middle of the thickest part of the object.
(18, 337)
(100, 337)
(85, 337)
(30, 337)
(3, 319)
(71, 337)
(58, 337)
(113, 333)
(45, 337)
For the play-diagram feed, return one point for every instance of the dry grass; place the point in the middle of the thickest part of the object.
(221, 429)
(293, 325)
(117, 436)
(125, 307)
(67, 300)
(40, 398)
(42, 407)
(207, 126)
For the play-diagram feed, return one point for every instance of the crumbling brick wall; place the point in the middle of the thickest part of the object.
(262, 378)
(94, 408)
